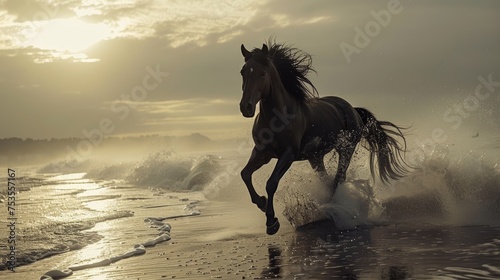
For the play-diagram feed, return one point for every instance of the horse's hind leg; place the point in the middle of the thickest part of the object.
(256, 161)
(318, 165)
(344, 160)
(345, 147)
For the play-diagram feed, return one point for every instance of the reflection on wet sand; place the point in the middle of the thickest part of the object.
(395, 252)
(273, 270)
(395, 273)
(320, 251)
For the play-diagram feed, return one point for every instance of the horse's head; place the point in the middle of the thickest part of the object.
(256, 79)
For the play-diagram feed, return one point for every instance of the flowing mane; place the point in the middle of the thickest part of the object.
(293, 66)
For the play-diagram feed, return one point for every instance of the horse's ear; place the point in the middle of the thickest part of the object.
(245, 52)
(265, 50)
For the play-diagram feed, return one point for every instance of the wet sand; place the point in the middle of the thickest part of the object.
(228, 241)
(220, 242)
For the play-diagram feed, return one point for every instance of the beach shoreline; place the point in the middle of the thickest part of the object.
(224, 238)
(202, 244)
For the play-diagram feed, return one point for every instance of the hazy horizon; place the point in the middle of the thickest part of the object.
(172, 68)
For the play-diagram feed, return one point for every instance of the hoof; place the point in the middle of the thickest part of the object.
(264, 208)
(272, 229)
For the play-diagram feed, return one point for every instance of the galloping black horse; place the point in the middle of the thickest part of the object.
(294, 124)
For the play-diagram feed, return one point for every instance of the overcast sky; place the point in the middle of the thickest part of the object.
(172, 67)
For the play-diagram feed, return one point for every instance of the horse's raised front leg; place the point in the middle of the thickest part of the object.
(256, 161)
(284, 162)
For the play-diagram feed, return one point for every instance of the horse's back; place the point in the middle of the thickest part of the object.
(326, 118)
(335, 113)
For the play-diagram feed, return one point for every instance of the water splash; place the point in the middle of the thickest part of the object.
(352, 205)
(447, 187)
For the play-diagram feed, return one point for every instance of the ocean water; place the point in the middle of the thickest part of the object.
(53, 217)
(440, 222)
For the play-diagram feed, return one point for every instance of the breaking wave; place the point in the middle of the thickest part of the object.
(164, 169)
(168, 170)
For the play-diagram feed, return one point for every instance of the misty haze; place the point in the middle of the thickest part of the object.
(125, 127)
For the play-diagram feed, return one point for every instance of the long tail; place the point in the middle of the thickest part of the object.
(383, 145)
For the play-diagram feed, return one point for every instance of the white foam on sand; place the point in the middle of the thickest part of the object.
(163, 235)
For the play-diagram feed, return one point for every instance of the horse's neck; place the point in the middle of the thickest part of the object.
(278, 103)
(278, 99)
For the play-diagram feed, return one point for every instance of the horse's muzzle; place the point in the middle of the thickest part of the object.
(247, 109)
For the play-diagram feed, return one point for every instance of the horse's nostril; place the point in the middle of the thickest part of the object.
(249, 108)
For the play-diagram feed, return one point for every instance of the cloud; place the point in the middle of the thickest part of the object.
(193, 110)
(183, 107)
(194, 23)
(39, 10)
(430, 49)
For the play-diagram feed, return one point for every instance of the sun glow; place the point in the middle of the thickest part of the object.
(68, 35)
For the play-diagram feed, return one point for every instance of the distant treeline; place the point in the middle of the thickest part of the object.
(17, 151)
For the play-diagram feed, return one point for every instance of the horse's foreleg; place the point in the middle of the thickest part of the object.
(256, 161)
(284, 162)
